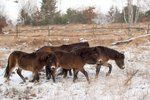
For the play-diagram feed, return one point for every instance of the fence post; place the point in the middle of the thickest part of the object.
(94, 30)
(49, 33)
(17, 31)
(148, 29)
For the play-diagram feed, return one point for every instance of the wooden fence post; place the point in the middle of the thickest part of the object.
(48, 31)
(17, 31)
(148, 29)
(49, 34)
(94, 30)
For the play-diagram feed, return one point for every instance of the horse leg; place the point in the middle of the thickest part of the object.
(97, 70)
(110, 68)
(61, 73)
(48, 69)
(75, 74)
(35, 77)
(86, 75)
(70, 73)
(53, 75)
(65, 71)
(19, 73)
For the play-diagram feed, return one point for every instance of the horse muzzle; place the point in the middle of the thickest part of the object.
(123, 67)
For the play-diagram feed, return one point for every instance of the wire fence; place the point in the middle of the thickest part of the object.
(49, 31)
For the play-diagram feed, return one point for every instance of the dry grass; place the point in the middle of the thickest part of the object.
(66, 34)
(130, 76)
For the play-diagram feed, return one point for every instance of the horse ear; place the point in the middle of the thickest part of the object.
(122, 52)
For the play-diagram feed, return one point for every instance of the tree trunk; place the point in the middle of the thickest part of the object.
(124, 16)
(130, 12)
(137, 12)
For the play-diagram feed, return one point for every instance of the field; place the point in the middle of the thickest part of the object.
(132, 83)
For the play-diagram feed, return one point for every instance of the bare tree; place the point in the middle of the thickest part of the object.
(2, 18)
(28, 9)
(137, 11)
(130, 12)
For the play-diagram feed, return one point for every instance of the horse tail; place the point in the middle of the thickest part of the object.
(11, 64)
(6, 75)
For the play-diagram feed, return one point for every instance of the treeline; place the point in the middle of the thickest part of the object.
(49, 15)
(117, 16)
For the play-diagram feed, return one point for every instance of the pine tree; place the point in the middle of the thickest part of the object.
(48, 10)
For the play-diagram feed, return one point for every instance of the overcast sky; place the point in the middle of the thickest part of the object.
(101, 5)
(12, 9)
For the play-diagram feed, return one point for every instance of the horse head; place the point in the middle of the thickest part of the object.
(120, 60)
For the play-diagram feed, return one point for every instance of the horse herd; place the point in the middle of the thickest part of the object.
(68, 57)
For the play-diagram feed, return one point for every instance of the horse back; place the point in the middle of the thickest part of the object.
(74, 46)
(47, 49)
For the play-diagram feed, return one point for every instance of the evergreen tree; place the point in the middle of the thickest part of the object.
(48, 10)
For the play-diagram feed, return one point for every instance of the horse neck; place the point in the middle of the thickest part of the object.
(58, 54)
(57, 48)
(112, 54)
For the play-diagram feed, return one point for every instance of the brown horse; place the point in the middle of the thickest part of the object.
(67, 48)
(70, 60)
(102, 55)
(28, 61)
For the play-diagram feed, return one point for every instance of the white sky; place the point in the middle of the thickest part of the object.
(101, 5)
(12, 9)
(9, 9)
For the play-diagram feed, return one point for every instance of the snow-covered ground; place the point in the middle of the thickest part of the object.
(113, 87)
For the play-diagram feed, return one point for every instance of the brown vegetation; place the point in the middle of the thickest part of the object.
(2, 24)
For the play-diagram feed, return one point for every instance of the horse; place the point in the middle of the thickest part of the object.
(102, 55)
(33, 62)
(67, 48)
(70, 60)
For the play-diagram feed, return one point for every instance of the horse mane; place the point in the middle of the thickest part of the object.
(21, 53)
(85, 52)
(80, 43)
(113, 54)
(75, 45)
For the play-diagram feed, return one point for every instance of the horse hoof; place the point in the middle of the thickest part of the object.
(54, 81)
(6, 80)
(107, 74)
(36, 81)
(21, 82)
(48, 78)
(64, 77)
(24, 80)
(96, 77)
(32, 81)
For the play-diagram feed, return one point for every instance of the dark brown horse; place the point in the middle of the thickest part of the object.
(67, 48)
(28, 61)
(70, 60)
(102, 55)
